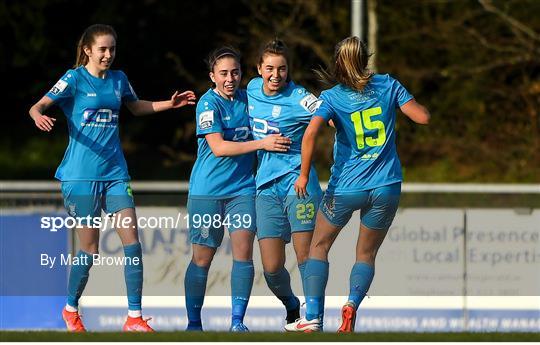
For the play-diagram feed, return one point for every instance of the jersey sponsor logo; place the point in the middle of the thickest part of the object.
(368, 94)
(100, 118)
(369, 157)
(261, 127)
(236, 134)
(276, 111)
(241, 134)
(91, 94)
(310, 103)
(206, 119)
(59, 87)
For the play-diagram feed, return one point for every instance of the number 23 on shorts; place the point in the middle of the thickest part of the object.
(305, 211)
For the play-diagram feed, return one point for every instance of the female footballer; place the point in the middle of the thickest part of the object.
(94, 173)
(222, 187)
(366, 174)
(278, 105)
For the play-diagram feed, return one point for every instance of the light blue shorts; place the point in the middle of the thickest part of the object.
(377, 206)
(209, 217)
(280, 211)
(88, 198)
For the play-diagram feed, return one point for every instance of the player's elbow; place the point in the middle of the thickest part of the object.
(218, 151)
(136, 108)
(420, 115)
(424, 118)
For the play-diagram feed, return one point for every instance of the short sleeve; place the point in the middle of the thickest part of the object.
(401, 94)
(128, 94)
(308, 103)
(208, 117)
(64, 88)
(325, 110)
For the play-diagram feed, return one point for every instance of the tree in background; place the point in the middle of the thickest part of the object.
(475, 64)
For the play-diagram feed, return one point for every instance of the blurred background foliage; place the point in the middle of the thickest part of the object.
(474, 64)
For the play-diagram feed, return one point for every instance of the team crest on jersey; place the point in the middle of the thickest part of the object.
(118, 92)
(276, 111)
(206, 119)
(310, 103)
(59, 87)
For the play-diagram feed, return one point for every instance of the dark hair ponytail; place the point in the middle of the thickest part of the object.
(220, 53)
(276, 47)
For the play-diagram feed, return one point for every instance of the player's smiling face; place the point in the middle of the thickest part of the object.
(101, 53)
(274, 71)
(226, 75)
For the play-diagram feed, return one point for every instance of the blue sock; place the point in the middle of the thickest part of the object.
(195, 289)
(302, 269)
(242, 275)
(280, 284)
(316, 277)
(133, 274)
(78, 277)
(361, 277)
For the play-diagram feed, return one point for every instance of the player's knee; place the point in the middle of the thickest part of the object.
(272, 267)
(90, 248)
(302, 255)
(366, 256)
(202, 260)
(321, 246)
(243, 251)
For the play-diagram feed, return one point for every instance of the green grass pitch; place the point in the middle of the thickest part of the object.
(265, 336)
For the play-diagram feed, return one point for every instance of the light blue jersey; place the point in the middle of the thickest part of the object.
(92, 107)
(365, 155)
(222, 176)
(288, 113)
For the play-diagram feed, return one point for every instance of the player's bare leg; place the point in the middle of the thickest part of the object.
(324, 236)
(301, 242)
(242, 245)
(272, 254)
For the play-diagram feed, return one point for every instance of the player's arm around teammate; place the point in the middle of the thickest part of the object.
(93, 173)
(278, 105)
(366, 142)
(222, 187)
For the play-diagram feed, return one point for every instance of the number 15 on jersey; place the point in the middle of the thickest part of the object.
(362, 121)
